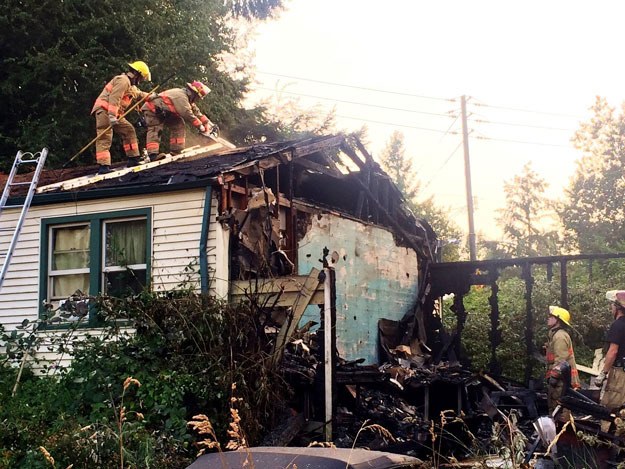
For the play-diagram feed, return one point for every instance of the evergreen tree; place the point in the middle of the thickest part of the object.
(57, 56)
(525, 215)
(399, 167)
(594, 211)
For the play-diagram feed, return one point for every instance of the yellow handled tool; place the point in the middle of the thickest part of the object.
(131, 108)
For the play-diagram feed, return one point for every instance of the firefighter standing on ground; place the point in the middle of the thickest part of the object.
(172, 108)
(108, 108)
(613, 366)
(559, 350)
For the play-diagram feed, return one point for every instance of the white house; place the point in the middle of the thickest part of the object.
(215, 214)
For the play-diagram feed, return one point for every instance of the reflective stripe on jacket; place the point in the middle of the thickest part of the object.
(559, 349)
(176, 101)
(117, 96)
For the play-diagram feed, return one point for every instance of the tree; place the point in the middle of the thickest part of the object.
(57, 56)
(525, 216)
(399, 168)
(282, 119)
(594, 211)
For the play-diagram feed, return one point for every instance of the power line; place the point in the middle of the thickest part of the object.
(526, 110)
(442, 166)
(358, 87)
(485, 121)
(397, 125)
(360, 103)
(521, 141)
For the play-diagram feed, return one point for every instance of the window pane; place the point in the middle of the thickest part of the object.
(64, 286)
(125, 243)
(70, 247)
(125, 282)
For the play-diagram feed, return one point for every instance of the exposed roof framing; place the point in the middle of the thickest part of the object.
(332, 171)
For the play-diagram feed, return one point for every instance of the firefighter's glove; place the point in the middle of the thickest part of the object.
(152, 96)
(113, 121)
(553, 381)
(600, 378)
(141, 122)
(201, 129)
(214, 130)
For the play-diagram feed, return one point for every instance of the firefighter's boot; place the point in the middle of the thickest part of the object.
(104, 169)
(157, 156)
(133, 161)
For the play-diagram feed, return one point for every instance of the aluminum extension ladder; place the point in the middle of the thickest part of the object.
(22, 158)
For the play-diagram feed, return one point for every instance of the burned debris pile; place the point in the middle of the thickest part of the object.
(427, 411)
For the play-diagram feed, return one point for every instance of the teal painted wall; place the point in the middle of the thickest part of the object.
(375, 279)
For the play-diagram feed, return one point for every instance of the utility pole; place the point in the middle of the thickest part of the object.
(467, 178)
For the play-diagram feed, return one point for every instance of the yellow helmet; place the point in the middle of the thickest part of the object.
(560, 313)
(616, 296)
(142, 68)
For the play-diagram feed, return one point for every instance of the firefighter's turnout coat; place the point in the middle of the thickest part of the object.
(560, 349)
(171, 108)
(112, 102)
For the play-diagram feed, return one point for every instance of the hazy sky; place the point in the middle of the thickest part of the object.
(530, 71)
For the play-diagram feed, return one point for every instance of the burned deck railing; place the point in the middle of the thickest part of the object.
(457, 278)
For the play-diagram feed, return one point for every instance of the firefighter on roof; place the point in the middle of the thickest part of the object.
(172, 108)
(109, 107)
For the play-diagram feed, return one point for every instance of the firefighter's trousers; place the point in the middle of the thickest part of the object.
(123, 128)
(156, 123)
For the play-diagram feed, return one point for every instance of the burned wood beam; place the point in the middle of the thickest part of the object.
(494, 335)
(375, 190)
(304, 150)
(277, 214)
(360, 203)
(529, 321)
(363, 150)
(349, 151)
(300, 303)
(223, 200)
(318, 167)
(331, 163)
(291, 221)
(564, 285)
(384, 189)
(501, 263)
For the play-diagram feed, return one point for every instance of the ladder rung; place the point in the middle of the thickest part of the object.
(14, 206)
(25, 183)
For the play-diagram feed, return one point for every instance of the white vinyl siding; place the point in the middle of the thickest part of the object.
(176, 229)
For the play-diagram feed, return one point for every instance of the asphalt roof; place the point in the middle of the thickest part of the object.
(205, 163)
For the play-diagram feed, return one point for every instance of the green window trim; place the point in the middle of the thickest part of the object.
(96, 221)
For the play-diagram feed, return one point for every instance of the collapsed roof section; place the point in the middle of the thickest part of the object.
(333, 172)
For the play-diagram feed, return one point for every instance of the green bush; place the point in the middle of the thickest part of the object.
(187, 352)
(587, 284)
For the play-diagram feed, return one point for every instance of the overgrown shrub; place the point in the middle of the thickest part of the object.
(186, 351)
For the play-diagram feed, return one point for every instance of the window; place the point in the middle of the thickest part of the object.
(69, 261)
(124, 257)
(101, 253)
